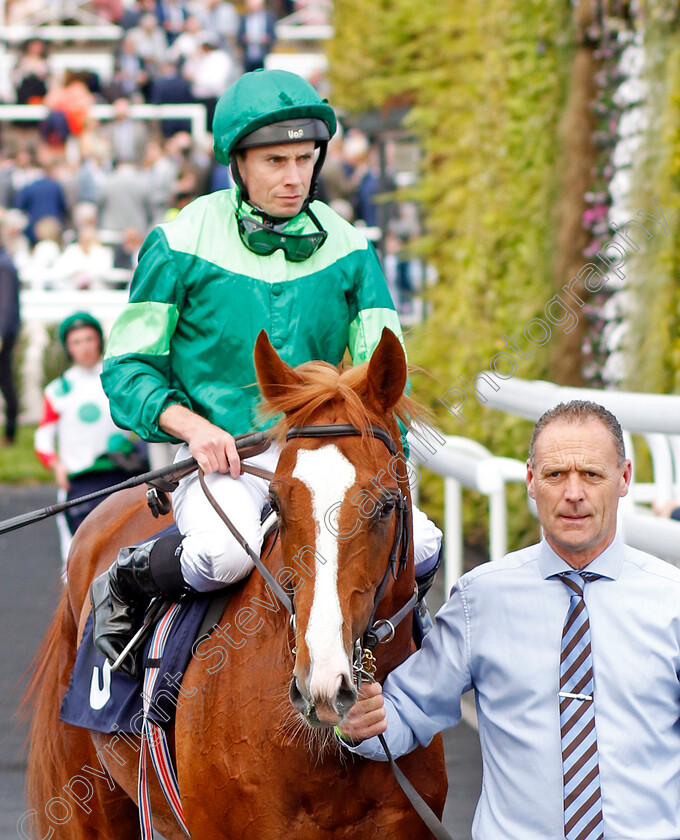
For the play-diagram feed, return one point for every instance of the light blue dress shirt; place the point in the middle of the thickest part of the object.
(500, 634)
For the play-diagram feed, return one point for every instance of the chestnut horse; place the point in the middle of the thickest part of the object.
(250, 765)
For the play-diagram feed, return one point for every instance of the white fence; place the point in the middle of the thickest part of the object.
(465, 463)
(42, 308)
(193, 112)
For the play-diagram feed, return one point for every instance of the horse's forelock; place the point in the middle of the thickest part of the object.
(323, 384)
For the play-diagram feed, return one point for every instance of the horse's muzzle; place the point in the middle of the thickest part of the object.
(323, 711)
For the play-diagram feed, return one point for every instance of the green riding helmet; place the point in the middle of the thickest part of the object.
(267, 107)
(75, 322)
(265, 98)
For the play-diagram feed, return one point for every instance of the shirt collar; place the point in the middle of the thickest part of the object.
(607, 564)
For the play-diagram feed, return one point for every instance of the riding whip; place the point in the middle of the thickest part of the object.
(248, 445)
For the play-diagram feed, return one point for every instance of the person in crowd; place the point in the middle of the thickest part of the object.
(76, 437)
(43, 197)
(9, 332)
(209, 70)
(25, 170)
(169, 87)
(192, 171)
(126, 253)
(162, 171)
(130, 76)
(71, 97)
(572, 648)
(85, 263)
(38, 271)
(171, 17)
(187, 43)
(180, 367)
(256, 35)
(123, 199)
(31, 73)
(149, 43)
(222, 18)
(126, 136)
(15, 242)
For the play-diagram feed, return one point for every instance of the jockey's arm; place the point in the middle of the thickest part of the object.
(213, 448)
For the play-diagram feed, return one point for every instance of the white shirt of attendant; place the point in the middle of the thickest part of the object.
(76, 427)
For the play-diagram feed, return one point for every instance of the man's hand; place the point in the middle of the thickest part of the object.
(367, 717)
(61, 475)
(213, 448)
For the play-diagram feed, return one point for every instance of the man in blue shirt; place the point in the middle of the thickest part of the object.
(501, 635)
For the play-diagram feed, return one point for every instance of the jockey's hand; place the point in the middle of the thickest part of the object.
(367, 717)
(213, 448)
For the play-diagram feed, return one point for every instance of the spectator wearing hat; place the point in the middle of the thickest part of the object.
(76, 438)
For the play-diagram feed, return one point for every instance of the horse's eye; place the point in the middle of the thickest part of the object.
(274, 502)
(387, 508)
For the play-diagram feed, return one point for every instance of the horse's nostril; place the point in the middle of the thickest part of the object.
(345, 698)
(297, 698)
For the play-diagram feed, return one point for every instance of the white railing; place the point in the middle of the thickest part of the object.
(465, 463)
(41, 308)
(195, 112)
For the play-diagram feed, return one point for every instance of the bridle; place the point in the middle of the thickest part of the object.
(383, 630)
(377, 632)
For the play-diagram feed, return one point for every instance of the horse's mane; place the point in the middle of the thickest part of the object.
(322, 384)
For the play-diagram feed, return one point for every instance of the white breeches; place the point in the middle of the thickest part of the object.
(212, 558)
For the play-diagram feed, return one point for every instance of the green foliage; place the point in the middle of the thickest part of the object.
(488, 84)
(19, 464)
(654, 332)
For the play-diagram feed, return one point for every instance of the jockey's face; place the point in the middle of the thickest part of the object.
(84, 347)
(278, 177)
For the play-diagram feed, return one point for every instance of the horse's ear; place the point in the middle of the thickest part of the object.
(386, 378)
(273, 374)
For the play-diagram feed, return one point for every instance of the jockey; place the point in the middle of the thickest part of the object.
(76, 437)
(179, 365)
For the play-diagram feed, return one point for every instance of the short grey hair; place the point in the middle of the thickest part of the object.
(580, 411)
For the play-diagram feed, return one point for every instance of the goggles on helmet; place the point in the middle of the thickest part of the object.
(264, 238)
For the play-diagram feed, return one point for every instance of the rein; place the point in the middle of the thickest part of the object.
(377, 632)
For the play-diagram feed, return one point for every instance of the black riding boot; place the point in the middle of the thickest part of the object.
(121, 595)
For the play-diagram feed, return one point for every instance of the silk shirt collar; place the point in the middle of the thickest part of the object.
(607, 564)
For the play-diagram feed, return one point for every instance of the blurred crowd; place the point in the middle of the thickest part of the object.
(78, 196)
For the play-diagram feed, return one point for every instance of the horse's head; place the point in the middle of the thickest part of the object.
(341, 499)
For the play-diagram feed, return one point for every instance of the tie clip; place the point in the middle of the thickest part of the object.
(574, 696)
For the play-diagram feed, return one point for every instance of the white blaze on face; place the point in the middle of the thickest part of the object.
(328, 475)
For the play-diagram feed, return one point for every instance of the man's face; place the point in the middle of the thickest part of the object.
(577, 484)
(83, 347)
(278, 177)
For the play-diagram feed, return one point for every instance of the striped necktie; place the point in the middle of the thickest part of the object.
(580, 769)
